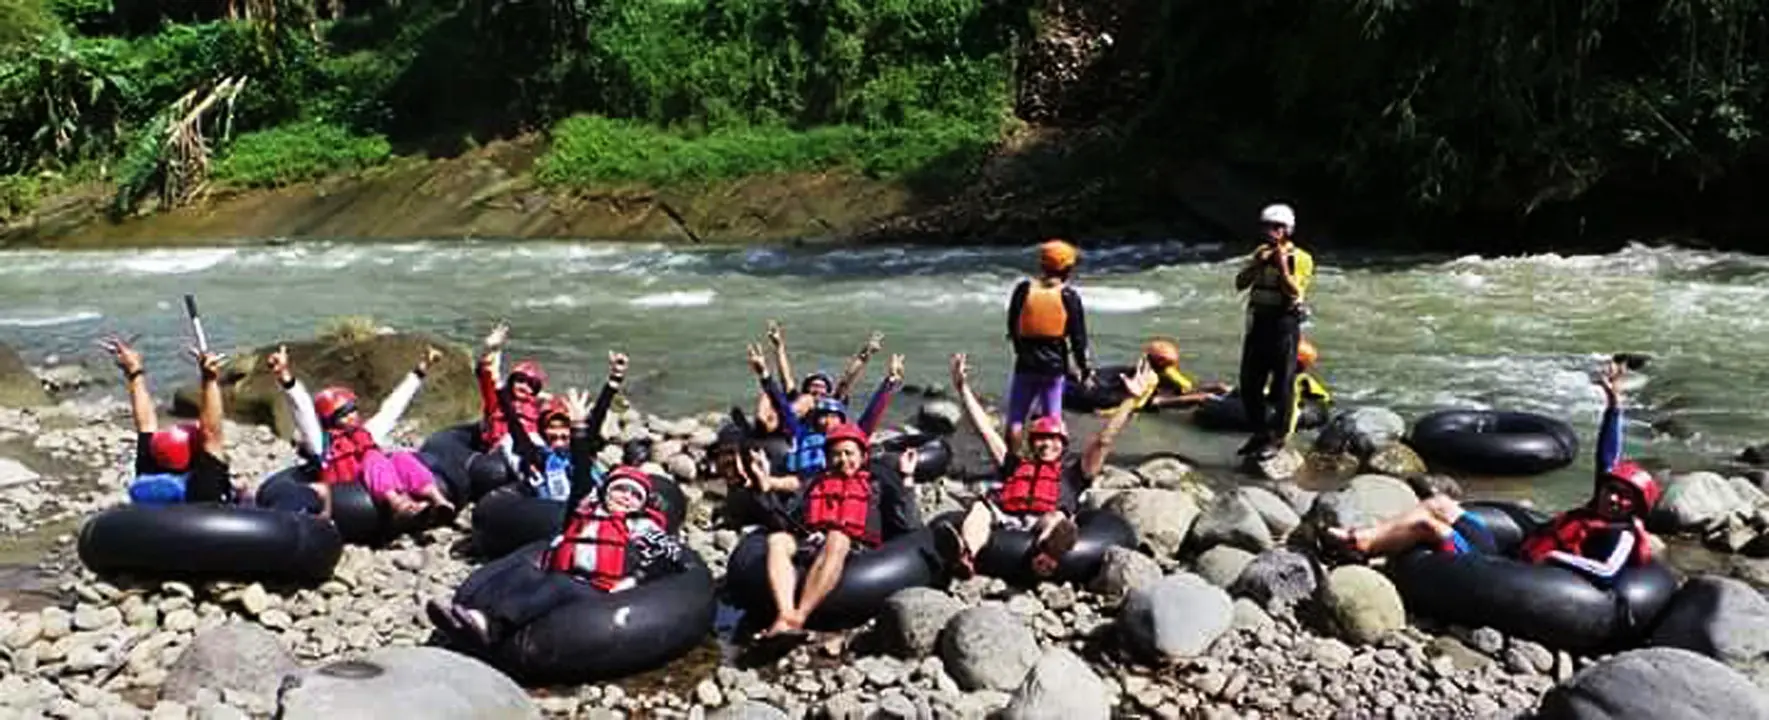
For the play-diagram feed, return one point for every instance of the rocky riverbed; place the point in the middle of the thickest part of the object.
(1214, 618)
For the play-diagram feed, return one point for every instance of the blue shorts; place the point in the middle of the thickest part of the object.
(1469, 535)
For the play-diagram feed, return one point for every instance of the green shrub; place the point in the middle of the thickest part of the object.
(19, 194)
(302, 151)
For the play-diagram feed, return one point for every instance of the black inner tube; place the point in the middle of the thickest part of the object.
(935, 456)
(869, 578)
(359, 519)
(1008, 554)
(467, 470)
(1494, 442)
(210, 542)
(1227, 414)
(605, 636)
(1552, 605)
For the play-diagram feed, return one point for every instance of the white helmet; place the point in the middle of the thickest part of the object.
(1279, 215)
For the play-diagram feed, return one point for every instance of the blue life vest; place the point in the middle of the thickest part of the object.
(158, 488)
(807, 456)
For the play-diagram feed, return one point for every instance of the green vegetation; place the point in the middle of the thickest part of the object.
(301, 151)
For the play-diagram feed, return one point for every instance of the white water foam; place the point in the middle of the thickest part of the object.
(677, 298)
(1114, 300)
(48, 319)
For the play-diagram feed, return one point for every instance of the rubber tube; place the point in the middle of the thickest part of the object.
(210, 542)
(869, 578)
(1494, 442)
(1227, 414)
(508, 518)
(467, 470)
(1549, 604)
(607, 636)
(935, 455)
(359, 519)
(1008, 553)
(1107, 391)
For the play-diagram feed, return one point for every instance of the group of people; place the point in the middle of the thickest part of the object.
(831, 494)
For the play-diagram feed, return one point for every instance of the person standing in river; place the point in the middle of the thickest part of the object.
(1276, 280)
(1048, 327)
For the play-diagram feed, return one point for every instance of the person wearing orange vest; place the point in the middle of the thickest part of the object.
(183, 463)
(1048, 328)
(1039, 490)
(344, 448)
(613, 540)
(1598, 539)
(1172, 387)
(1276, 280)
(852, 506)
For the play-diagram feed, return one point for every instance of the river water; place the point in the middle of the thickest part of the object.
(1410, 333)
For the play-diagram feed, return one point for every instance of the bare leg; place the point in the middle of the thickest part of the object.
(1056, 537)
(783, 580)
(825, 573)
(324, 492)
(1429, 521)
(978, 526)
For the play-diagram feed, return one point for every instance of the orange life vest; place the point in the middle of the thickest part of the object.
(345, 448)
(844, 504)
(1042, 315)
(1034, 487)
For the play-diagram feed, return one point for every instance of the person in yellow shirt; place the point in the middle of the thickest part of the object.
(1174, 389)
(1276, 279)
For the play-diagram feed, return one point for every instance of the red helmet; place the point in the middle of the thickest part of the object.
(849, 432)
(172, 446)
(531, 370)
(1048, 425)
(333, 403)
(629, 476)
(556, 407)
(1644, 484)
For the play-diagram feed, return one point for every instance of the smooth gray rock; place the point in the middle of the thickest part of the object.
(1175, 617)
(1656, 683)
(1060, 687)
(408, 682)
(235, 656)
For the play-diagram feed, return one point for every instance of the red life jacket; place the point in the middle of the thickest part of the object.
(1034, 487)
(843, 503)
(344, 450)
(528, 413)
(1570, 531)
(595, 546)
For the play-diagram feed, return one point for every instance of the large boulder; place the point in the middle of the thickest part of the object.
(1360, 432)
(1362, 603)
(19, 387)
(1723, 619)
(237, 657)
(1279, 575)
(371, 365)
(1174, 618)
(1232, 520)
(1060, 687)
(1695, 502)
(415, 682)
(1657, 683)
(988, 648)
(1364, 501)
(1162, 518)
(913, 618)
(1122, 570)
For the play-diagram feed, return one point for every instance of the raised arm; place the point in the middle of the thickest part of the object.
(141, 403)
(857, 366)
(777, 338)
(298, 402)
(487, 369)
(1093, 459)
(776, 395)
(973, 410)
(209, 409)
(617, 377)
(880, 402)
(394, 407)
(528, 454)
(1610, 429)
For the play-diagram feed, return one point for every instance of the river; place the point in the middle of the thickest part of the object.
(1410, 333)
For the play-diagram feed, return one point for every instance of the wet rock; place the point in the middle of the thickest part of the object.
(1231, 520)
(913, 618)
(19, 387)
(1162, 518)
(1222, 565)
(1280, 518)
(1655, 683)
(1281, 466)
(235, 656)
(683, 467)
(1396, 460)
(1361, 431)
(1172, 473)
(13, 472)
(988, 648)
(1364, 501)
(1694, 502)
(1723, 619)
(1112, 477)
(1279, 575)
(407, 682)
(1174, 618)
(1121, 570)
(1363, 603)
(1527, 658)
(1059, 687)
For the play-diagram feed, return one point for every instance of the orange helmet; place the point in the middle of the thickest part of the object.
(1306, 355)
(1162, 353)
(1057, 256)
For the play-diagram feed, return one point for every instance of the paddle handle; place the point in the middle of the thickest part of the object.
(196, 322)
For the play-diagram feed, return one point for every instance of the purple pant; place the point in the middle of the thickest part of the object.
(1024, 388)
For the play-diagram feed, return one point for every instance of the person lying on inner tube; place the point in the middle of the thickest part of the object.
(344, 448)
(808, 455)
(851, 506)
(1599, 539)
(751, 500)
(527, 381)
(183, 463)
(1172, 387)
(610, 544)
(1039, 491)
(815, 386)
(546, 469)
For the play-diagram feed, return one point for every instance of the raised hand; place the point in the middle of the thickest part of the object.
(960, 370)
(906, 463)
(128, 360)
(500, 334)
(895, 370)
(776, 333)
(431, 355)
(757, 364)
(1141, 380)
(577, 405)
(209, 363)
(278, 363)
(617, 365)
(874, 343)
